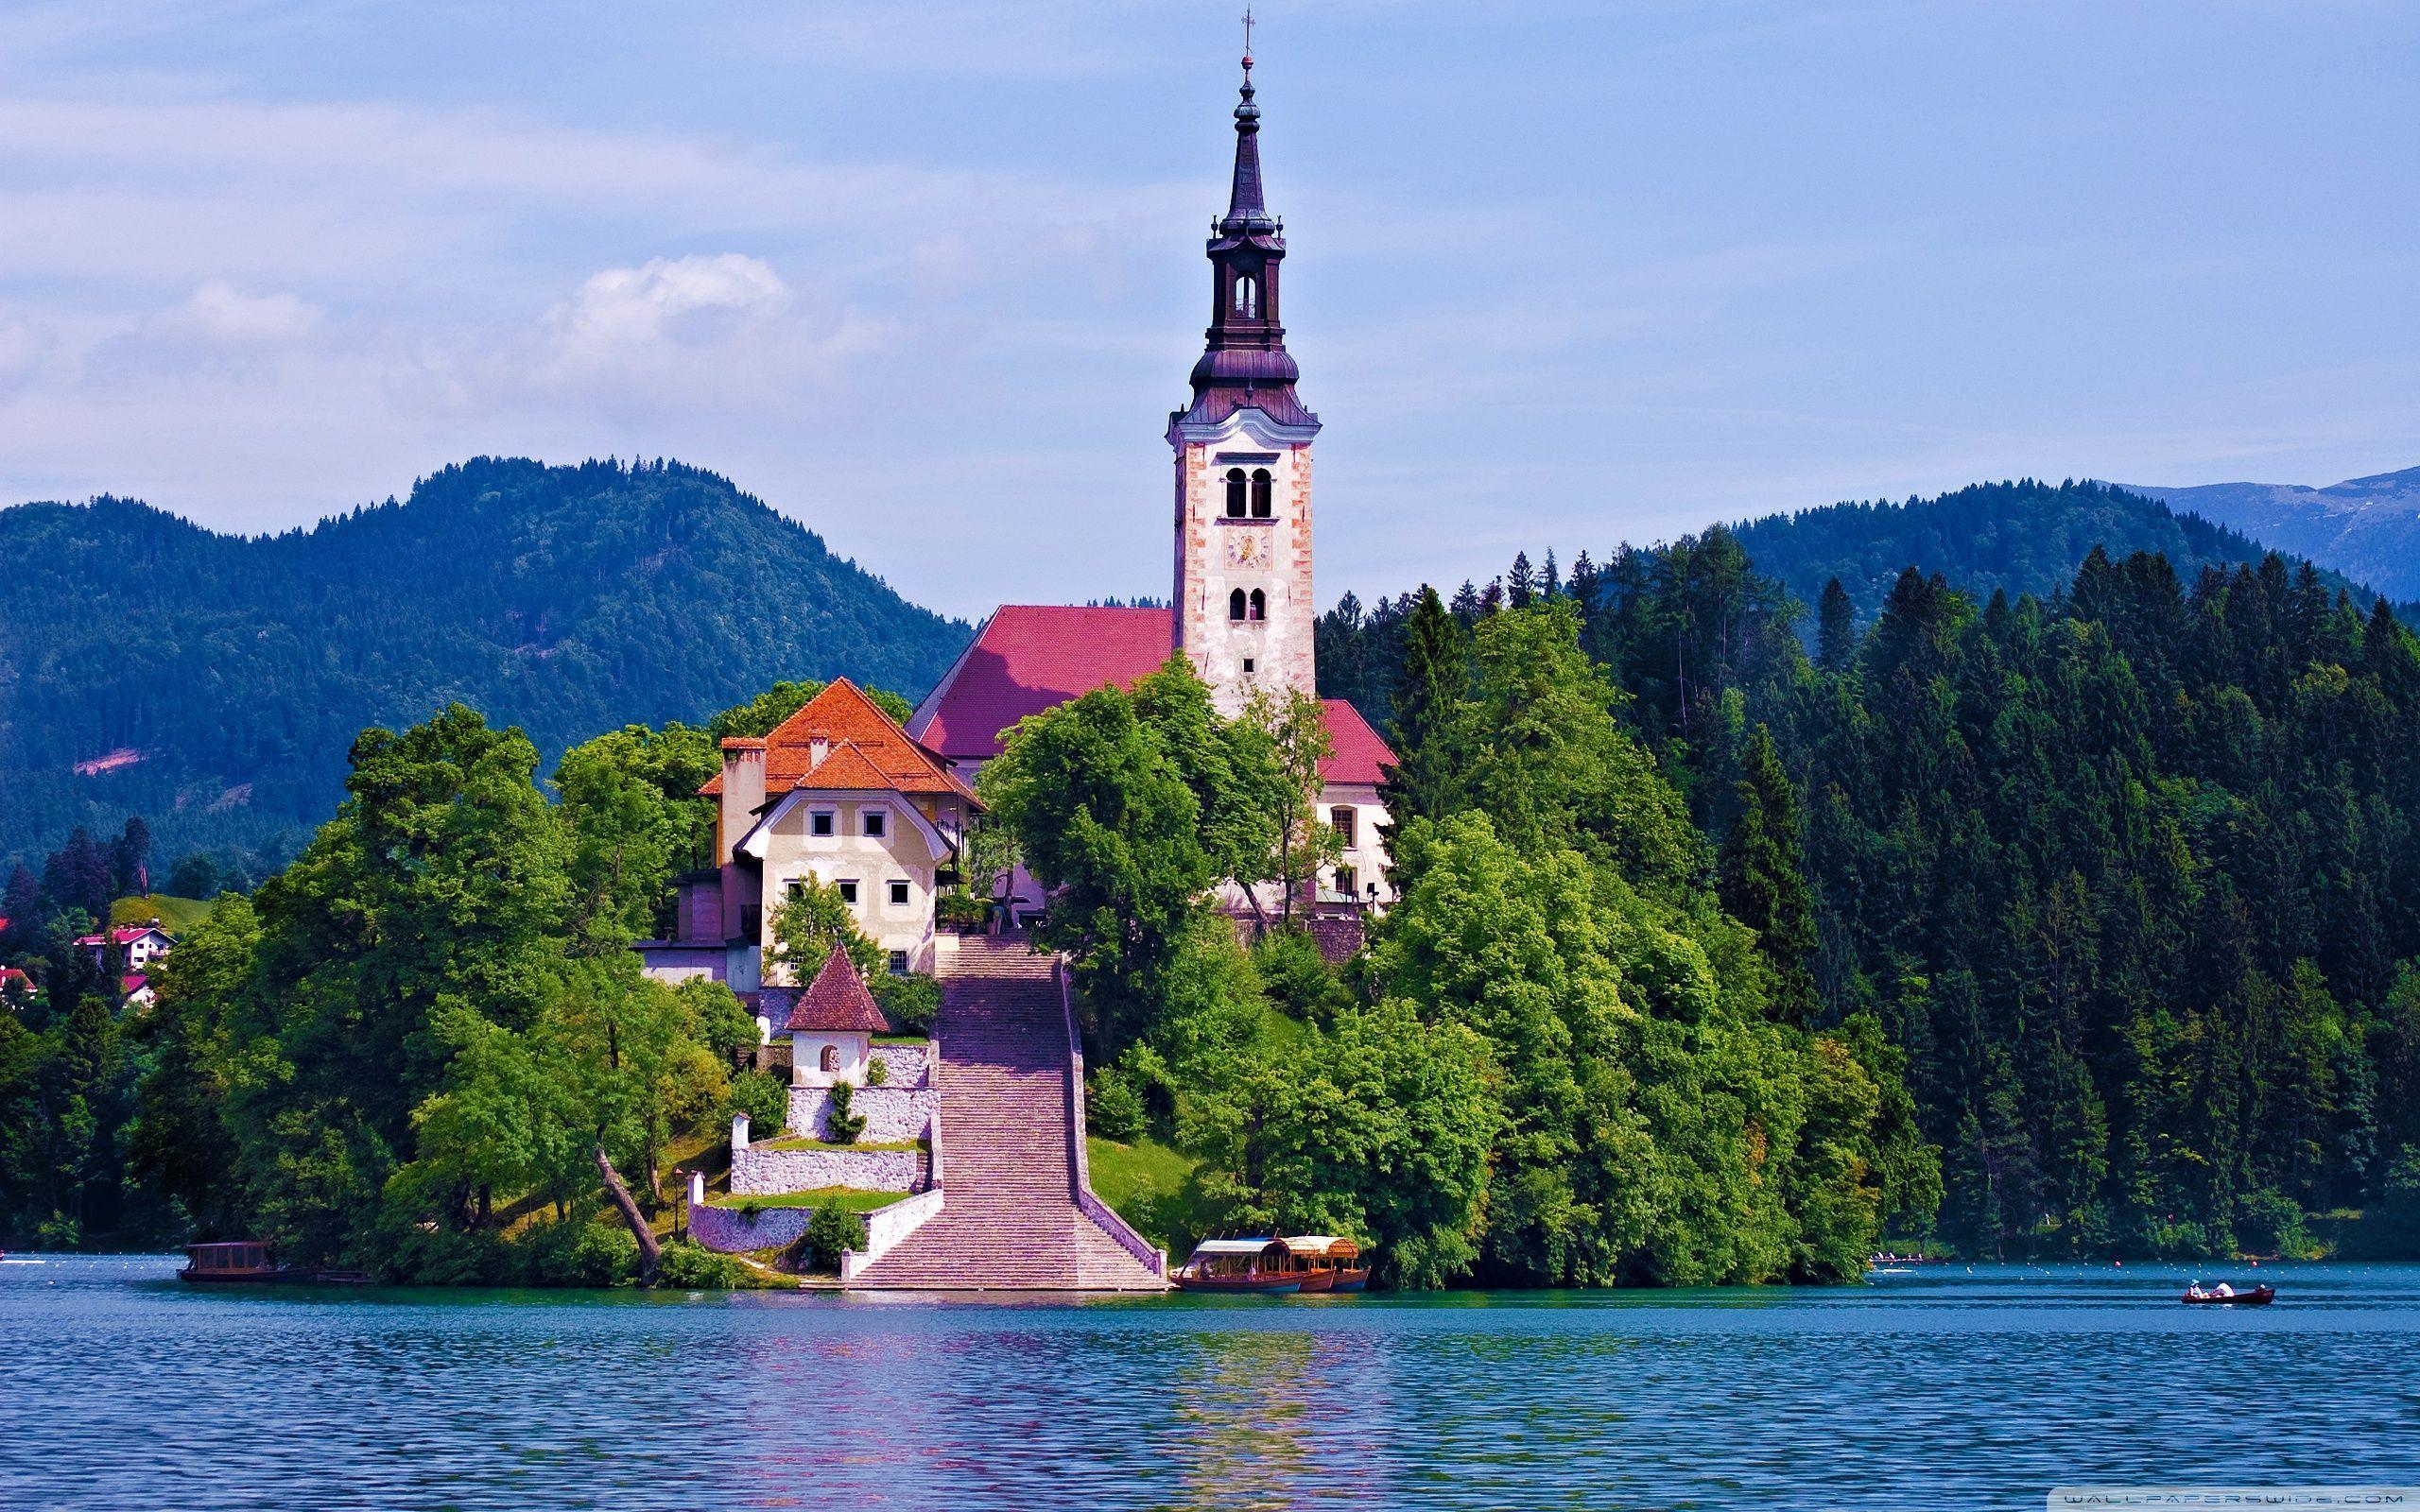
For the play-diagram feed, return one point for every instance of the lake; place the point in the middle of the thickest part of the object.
(1947, 1388)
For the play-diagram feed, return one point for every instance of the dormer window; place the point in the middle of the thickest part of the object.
(1260, 492)
(1235, 490)
(1236, 605)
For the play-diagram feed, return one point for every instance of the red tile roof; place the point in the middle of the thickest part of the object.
(9, 975)
(838, 1003)
(1355, 750)
(864, 750)
(1033, 656)
(123, 934)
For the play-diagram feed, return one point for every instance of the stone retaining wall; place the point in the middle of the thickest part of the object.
(893, 1115)
(735, 1233)
(758, 1172)
(907, 1065)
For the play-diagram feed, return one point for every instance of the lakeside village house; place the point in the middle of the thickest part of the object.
(841, 793)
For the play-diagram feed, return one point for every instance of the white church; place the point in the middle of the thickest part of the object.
(841, 793)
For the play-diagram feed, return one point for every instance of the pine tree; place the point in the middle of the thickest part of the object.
(1520, 584)
(1835, 628)
(1762, 882)
(1433, 682)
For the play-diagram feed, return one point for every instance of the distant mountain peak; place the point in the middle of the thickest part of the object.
(2367, 528)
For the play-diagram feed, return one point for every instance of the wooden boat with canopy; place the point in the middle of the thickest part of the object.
(1261, 1265)
(242, 1259)
(1328, 1263)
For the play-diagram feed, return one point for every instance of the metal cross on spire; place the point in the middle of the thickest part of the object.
(1247, 37)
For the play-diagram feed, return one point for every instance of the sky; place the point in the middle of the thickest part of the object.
(928, 276)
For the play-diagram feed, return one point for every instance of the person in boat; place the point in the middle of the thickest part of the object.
(2195, 1290)
(2225, 1289)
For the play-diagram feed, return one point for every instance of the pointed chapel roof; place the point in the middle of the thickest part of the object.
(863, 749)
(836, 1000)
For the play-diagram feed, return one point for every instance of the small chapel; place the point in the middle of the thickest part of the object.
(842, 792)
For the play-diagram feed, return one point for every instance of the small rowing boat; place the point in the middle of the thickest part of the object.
(2225, 1294)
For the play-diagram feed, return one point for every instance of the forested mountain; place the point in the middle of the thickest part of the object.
(2128, 870)
(213, 683)
(2367, 527)
(2027, 537)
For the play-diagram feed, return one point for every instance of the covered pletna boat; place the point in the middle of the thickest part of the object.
(241, 1259)
(1328, 1263)
(1263, 1265)
(2224, 1296)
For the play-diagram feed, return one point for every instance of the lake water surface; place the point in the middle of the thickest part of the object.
(121, 1388)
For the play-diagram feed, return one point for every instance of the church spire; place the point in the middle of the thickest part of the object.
(1246, 365)
(1245, 206)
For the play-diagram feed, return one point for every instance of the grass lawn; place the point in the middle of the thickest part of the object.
(176, 915)
(1156, 1188)
(799, 1142)
(854, 1201)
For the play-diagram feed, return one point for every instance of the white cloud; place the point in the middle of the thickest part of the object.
(688, 301)
(221, 313)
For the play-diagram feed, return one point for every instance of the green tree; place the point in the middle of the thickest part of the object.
(1761, 880)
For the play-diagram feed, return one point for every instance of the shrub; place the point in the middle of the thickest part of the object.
(909, 1001)
(832, 1229)
(581, 1254)
(58, 1232)
(877, 1073)
(694, 1268)
(1113, 1110)
(842, 1127)
(960, 909)
(764, 1098)
(443, 1257)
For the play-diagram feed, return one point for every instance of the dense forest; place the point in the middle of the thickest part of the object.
(2127, 869)
(211, 683)
(1562, 1059)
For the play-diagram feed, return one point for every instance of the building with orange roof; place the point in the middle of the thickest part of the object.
(837, 793)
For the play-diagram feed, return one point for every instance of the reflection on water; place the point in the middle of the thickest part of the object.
(120, 1388)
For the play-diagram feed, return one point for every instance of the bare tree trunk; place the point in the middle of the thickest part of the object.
(650, 1253)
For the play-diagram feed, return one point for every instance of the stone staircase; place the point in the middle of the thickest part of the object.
(1013, 1212)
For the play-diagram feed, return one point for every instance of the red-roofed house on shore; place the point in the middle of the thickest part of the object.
(839, 793)
(15, 985)
(1243, 603)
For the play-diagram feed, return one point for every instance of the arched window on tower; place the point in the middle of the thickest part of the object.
(1234, 494)
(1260, 493)
(1259, 605)
(1236, 605)
(1247, 296)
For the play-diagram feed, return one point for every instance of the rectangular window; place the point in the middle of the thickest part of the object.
(819, 822)
(797, 887)
(876, 822)
(849, 893)
(1346, 881)
(899, 894)
(1340, 819)
(899, 963)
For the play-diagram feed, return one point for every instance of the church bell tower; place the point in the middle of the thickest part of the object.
(1244, 609)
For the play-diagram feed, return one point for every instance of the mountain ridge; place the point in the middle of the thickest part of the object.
(213, 682)
(2368, 527)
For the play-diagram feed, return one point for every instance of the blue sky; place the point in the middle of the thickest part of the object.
(928, 276)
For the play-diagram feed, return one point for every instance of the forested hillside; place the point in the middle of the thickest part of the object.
(213, 683)
(2128, 870)
(2027, 538)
